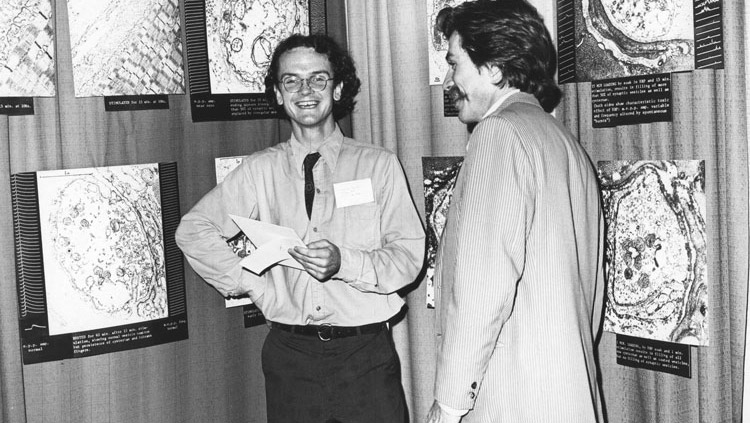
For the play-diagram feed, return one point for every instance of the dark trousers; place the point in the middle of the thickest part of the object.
(347, 380)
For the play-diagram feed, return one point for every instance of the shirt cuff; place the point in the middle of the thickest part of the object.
(351, 265)
(452, 411)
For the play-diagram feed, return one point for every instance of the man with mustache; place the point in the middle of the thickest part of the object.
(519, 280)
(329, 355)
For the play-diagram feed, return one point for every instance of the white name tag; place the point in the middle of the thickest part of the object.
(353, 192)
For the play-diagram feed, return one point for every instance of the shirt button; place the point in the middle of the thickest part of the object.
(315, 229)
(474, 385)
(317, 190)
(471, 395)
(317, 308)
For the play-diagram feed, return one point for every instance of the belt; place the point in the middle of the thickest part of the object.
(326, 332)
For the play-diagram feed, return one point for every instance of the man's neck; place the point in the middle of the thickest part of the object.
(500, 96)
(313, 136)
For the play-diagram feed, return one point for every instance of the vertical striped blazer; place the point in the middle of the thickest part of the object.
(519, 279)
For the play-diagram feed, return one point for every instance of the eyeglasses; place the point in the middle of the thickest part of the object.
(292, 84)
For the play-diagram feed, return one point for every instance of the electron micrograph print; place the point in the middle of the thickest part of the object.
(437, 45)
(619, 38)
(655, 250)
(126, 47)
(27, 49)
(242, 35)
(103, 247)
(440, 175)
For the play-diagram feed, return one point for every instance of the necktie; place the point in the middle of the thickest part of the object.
(309, 163)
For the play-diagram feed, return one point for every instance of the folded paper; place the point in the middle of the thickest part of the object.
(273, 242)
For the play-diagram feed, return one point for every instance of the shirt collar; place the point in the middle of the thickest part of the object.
(329, 150)
(499, 101)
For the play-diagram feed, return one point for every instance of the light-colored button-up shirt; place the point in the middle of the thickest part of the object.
(381, 241)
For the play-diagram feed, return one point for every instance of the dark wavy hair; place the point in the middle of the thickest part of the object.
(511, 35)
(341, 62)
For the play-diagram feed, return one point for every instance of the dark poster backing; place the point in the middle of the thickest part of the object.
(632, 100)
(709, 38)
(566, 41)
(16, 106)
(252, 316)
(665, 357)
(121, 103)
(206, 106)
(36, 343)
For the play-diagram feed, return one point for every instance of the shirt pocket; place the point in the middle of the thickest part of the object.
(363, 226)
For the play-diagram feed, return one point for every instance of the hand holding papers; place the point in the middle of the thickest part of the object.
(272, 241)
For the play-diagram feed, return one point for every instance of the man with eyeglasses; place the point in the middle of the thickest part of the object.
(329, 355)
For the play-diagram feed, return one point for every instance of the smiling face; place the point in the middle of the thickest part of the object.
(307, 108)
(471, 88)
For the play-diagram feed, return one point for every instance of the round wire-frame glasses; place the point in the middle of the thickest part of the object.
(293, 84)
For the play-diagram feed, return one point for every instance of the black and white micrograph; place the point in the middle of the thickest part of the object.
(655, 250)
(619, 38)
(27, 49)
(103, 247)
(126, 47)
(440, 175)
(242, 35)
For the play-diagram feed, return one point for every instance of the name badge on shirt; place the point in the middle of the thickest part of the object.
(353, 192)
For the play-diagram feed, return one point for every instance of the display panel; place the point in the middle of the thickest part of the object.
(655, 250)
(97, 266)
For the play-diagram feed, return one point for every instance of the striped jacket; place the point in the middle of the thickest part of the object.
(519, 280)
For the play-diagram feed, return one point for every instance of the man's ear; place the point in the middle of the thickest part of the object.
(496, 74)
(279, 97)
(337, 91)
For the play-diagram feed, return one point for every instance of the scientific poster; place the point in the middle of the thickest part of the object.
(440, 175)
(229, 48)
(97, 266)
(655, 250)
(126, 47)
(27, 49)
(437, 45)
(604, 39)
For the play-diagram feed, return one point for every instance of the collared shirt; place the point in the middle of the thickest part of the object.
(499, 101)
(381, 241)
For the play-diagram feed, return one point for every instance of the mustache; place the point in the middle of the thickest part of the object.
(455, 94)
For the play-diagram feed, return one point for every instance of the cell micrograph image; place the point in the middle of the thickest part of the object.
(440, 175)
(655, 250)
(27, 49)
(619, 38)
(437, 45)
(126, 47)
(242, 35)
(103, 247)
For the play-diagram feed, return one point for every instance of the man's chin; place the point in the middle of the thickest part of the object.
(466, 119)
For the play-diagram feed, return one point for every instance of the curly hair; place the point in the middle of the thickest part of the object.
(511, 35)
(341, 62)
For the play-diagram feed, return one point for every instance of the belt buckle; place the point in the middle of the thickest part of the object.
(325, 332)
